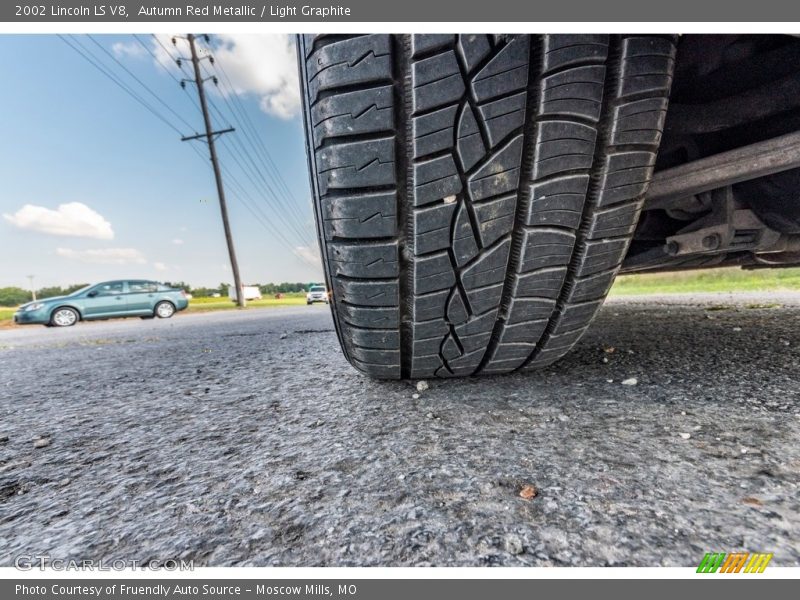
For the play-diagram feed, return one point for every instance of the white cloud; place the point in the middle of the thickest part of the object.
(263, 65)
(177, 241)
(159, 266)
(70, 219)
(260, 65)
(310, 254)
(104, 256)
(128, 49)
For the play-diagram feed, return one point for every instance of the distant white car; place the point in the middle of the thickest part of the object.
(317, 293)
(251, 292)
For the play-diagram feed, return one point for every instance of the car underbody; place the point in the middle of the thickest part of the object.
(726, 191)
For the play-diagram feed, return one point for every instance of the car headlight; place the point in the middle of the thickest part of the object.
(34, 306)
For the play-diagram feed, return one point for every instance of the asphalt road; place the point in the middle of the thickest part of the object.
(246, 439)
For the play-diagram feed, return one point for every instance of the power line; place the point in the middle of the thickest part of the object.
(286, 208)
(238, 158)
(167, 52)
(262, 218)
(285, 202)
(139, 81)
(245, 157)
(237, 106)
(253, 208)
(243, 111)
(156, 59)
(166, 70)
(107, 71)
(241, 195)
(91, 59)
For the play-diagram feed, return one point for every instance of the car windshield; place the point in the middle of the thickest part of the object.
(317, 289)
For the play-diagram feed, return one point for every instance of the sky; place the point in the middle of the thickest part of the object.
(96, 187)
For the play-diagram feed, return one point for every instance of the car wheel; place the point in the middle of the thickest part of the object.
(164, 310)
(64, 317)
(476, 194)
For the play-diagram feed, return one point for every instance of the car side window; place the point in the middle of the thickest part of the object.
(109, 289)
(142, 287)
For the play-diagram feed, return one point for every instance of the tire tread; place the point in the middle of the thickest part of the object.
(476, 194)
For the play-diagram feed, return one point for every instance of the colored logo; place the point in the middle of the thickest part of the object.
(736, 562)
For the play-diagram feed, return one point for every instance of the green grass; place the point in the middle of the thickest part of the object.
(713, 280)
(206, 304)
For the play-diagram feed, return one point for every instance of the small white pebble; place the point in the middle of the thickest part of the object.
(609, 381)
(605, 359)
(737, 328)
(630, 381)
(422, 386)
(743, 451)
(685, 436)
(449, 199)
(415, 396)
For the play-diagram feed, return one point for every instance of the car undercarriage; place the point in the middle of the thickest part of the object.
(726, 191)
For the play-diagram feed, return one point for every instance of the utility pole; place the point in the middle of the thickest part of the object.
(210, 135)
(33, 290)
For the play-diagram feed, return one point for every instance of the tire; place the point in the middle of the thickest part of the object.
(64, 316)
(475, 195)
(164, 310)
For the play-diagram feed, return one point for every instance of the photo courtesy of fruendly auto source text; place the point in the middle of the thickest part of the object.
(368, 300)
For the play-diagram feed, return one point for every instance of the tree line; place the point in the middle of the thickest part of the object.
(267, 289)
(14, 296)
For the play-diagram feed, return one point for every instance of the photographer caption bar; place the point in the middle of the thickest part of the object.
(366, 301)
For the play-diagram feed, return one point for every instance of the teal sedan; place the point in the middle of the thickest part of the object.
(107, 300)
